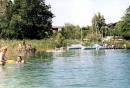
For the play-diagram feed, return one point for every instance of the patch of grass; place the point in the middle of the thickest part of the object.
(42, 45)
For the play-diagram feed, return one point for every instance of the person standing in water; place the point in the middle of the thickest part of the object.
(23, 42)
(20, 60)
(2, 56)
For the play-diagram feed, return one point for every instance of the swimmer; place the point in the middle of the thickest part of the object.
(20, 60)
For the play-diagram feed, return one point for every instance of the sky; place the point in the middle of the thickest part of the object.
(80, 12)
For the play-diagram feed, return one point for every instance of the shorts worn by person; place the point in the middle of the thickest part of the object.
(20, 60)
(2, 56)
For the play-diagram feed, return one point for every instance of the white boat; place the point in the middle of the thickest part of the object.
(75, 47)
(95, 47)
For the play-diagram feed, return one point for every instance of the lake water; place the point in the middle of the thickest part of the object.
(71, 69)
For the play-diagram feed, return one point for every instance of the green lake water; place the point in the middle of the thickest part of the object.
(71, 69)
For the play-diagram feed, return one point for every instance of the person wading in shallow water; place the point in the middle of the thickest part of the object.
(23, 42)
(2, 56)
(20, 60)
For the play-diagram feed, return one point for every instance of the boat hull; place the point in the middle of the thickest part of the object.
(95, 47)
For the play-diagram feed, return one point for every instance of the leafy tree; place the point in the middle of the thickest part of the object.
(71, 32)
(117, 28)
(2, 9)
(98, 23)
(86, 32)
(29, 19)
(2, 15)
(125, 27)
(59, 37)
(15, 25)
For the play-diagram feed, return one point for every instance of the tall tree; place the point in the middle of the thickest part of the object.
(98, 23)
(30, 19)
(71, 32)
(126, 24)
(117, 29)
(2, 8)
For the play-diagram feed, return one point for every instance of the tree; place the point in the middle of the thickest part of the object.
(2, 9)
(59, 37)
(29, 19)
(117, 28)
(98, 22)
(86, 32)
(125, 25)
(71, 32)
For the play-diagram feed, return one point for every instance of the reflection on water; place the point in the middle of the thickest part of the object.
(71, 69)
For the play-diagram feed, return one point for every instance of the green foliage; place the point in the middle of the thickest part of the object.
(2, 9)
(68, 42)
(86, 31)
(97, 22)
(71, 32)
(15, 26)
(117, 31)
(30, 19)
(41, 45)
(109, 32)
(125, 27)
(59, 37)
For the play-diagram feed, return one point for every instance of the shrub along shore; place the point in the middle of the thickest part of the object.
(42, 45)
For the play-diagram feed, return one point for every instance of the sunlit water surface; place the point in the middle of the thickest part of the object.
(71, 69)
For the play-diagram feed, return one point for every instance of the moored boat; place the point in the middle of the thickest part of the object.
(95, 47)
(75, 47)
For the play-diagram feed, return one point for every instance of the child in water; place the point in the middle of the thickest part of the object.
(20, 60)
(2, 56)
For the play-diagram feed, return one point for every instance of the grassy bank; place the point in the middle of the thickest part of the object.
(42, 45)
(38, 44)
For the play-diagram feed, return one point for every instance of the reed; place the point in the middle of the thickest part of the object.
(42, 45)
